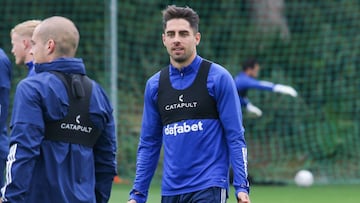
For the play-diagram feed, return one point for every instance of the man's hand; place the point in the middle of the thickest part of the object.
(253, 110)
(130, 201)
(243, 197)
(284, 89)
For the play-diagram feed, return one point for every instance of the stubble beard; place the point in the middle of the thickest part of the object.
(180, 58)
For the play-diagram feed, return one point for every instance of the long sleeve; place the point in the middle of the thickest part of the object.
(149, 146)
(244, 82)
(24, 146)
(105, 153)
(231, 118)
(5, 82)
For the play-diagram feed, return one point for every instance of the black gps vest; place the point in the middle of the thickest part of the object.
(76, 127)
(193, 102)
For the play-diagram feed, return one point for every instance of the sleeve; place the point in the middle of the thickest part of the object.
(244, 82)
(105, 151)
(149, 145)
(25, 141)
(4, 105)
(5, 81)
(231, 118)
(244, 101)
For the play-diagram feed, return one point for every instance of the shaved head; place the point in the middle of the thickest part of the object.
(63, 32)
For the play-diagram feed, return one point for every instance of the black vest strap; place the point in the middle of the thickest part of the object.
(193, 102)
(76, 127)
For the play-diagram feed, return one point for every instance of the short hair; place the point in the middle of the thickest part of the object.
(249, 64)
(187, 13)
(25, 28)
(63, 31)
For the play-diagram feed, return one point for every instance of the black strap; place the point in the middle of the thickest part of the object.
(76, 127)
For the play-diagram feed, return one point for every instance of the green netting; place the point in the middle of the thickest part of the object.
(308, 44)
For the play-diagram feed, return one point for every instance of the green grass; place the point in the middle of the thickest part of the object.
(267, 194)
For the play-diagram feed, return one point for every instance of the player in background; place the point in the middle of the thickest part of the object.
(191, 108)
(5, 83)
(63, 142)
(20, 40)
(21, 44)
(247, 79)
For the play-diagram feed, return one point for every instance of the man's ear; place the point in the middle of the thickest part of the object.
(26, 43)
(198, 38)
(51, 46)
(163, 38)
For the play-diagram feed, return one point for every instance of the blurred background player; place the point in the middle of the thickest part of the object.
(21, 43)
(247, 79)
(5, 82)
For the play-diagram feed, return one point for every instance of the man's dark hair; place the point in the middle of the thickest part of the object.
(249, 64)
(187, 13)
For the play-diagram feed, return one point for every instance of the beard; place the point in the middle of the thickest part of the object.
(180, 58)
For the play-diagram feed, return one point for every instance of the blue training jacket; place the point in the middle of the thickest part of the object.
(5, 83)
(244, 82)
(31, 68)
(194, 159)
(46, 171)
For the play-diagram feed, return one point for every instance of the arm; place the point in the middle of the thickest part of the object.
(231, 118)
(4, 105)
(105, 152)
(26, 137)
(244, 82)
(5, 82)
(245, 102)
(149, 145)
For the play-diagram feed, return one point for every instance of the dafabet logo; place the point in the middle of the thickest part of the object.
(176, 129)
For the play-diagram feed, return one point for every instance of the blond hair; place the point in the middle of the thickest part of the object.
(25, 28)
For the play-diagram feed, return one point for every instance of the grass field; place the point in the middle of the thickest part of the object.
(267, 194)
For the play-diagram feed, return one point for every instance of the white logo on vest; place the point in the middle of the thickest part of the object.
(176, 129)
(181, 98)
(77, 119)
(181, 105)
(76, 127)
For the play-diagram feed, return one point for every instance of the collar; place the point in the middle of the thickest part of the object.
(66, 65)
(193, 66)
(30, 65)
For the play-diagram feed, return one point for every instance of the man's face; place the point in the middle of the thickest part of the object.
(255, 71)
(180, 41)
(20, 48)
(38, 49)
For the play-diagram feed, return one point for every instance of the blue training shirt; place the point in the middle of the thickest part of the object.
(244, 82)
(58, 172)
(195, 158)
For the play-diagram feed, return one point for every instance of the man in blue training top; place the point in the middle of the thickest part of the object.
(246, 80)
(21, 44)
(5, 83)
(191, 107)
(63, 142)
